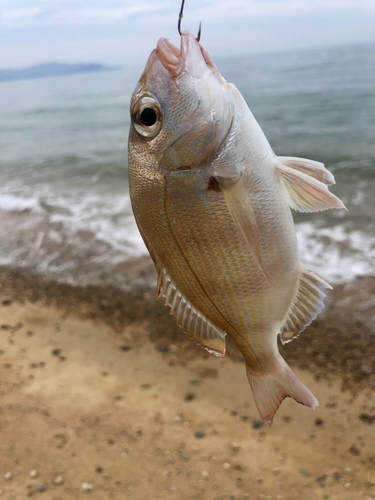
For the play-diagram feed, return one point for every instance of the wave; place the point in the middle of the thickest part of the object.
(88, 238)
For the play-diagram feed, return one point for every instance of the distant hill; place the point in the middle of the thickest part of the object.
(51, 69)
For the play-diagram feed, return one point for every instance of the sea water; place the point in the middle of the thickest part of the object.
(64, 205)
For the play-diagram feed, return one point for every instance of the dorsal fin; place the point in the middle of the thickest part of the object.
(196, 326)
(306, 306)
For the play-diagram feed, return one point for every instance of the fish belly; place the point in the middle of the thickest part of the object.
(190, 233)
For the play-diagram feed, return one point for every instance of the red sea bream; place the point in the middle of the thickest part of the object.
(213, 204)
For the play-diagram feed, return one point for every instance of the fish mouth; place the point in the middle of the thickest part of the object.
(191, 57)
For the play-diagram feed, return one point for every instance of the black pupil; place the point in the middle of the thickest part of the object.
(148, 117)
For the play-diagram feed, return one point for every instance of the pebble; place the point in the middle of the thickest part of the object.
(33, 473)
(366, 369)
(348, 470)
(367, 418)
(8, 476)
(305, 473)
(336, 476)
(41, 487)
(166, 473)
(58, 480)
(86, 487)
(319, 422)
(257, 424)
(200, 434)
(177, 420)
(226, 466)
(354, 450)
(204, 473)
(321, 480)
(173, 348)
(347, 485)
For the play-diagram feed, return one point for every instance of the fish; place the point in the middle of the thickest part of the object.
(213, 203)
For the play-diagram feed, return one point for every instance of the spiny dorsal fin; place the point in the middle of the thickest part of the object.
(306, 306)
(305, 193)
(196, 326)
(313, 168)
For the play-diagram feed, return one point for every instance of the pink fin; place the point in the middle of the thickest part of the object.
(270, 389)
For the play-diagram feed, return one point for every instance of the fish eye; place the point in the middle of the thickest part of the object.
(147, 117)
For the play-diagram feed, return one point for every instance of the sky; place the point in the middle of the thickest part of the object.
(124, 32)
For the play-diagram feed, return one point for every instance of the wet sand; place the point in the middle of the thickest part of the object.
(104, 397)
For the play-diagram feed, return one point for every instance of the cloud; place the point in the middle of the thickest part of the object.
(20, 14)
(115, 31)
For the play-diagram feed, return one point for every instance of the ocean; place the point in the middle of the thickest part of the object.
(64, 206)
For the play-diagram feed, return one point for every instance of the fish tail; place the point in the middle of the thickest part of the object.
(271, 388)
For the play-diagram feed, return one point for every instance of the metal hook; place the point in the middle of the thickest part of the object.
(181, 15)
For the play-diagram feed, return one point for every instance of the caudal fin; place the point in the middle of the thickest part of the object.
(270, 389)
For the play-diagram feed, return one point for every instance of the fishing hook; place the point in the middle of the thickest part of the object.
(181, 15)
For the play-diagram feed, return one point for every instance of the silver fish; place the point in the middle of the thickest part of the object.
(213, 204)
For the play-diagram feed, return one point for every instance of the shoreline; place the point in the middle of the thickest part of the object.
(339, 344)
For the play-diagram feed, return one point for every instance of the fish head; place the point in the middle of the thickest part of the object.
(181, 109)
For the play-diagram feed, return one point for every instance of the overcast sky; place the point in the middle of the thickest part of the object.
(124, 31)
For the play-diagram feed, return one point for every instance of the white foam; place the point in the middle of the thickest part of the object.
(336, 253)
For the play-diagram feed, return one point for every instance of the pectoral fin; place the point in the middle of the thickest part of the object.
(241, 210)
(312, 168)
(305, 193)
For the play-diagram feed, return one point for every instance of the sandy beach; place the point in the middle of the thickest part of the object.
(103, 397)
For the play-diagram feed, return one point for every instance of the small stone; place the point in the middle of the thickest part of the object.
(173, 348)
(7, 302)
(125, 348)
(257, 424)
(41, 487)
(194, 381)
(213, 459)
(56, 352)
(99, 470)
(58, 480)
(162, 348)
(366, 369)
(199, 434)
(319, 422)
(8, 476)
(354, 450)
(321, 480)
(33, 473)
(177, 420)
(347, 485)
(189, 396)
(367, 419)
(166, 473)
(204, 473)
(86, 487)
(226, 466)
(348, 470)
(304, 473)
(336, 476)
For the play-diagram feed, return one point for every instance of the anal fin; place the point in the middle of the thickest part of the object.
(306, 306)
(196, 326)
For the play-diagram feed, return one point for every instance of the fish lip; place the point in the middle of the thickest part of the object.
(178, 60)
